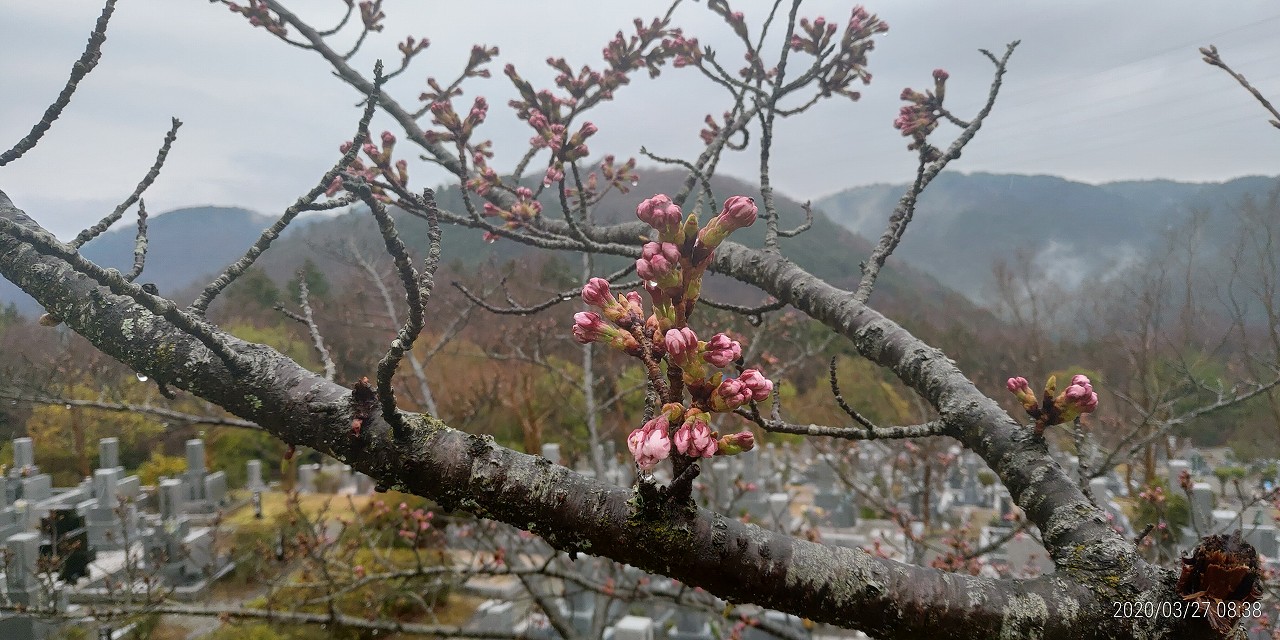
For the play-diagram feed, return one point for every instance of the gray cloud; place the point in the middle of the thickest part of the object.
(1098, 91)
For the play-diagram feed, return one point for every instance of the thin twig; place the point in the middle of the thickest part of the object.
(143, 185)
(1211, 57)
(88, 60)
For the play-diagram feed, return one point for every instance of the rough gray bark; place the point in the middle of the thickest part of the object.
(736, 561)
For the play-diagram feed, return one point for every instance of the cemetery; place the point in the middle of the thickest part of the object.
(110, 539)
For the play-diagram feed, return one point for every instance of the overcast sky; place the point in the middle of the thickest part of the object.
(1098, 91)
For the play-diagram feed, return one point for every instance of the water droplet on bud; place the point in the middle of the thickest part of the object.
(142, 378)
(635, 183)
(67, 406)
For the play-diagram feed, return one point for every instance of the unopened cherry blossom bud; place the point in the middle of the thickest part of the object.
(662, 214)
(650, 444)
(759, 386)
(659, 262)
(940, 75)
(554, 175)
(735, 443)
(1021, 389)
(693, 438)
(681, 344)
(388, 138)
(738, 212)
(588, 326)
(1076, 399)
(721, 351)
(634, 303)
(596, 293)
(731, 394)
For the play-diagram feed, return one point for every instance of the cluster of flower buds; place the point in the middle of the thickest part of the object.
(639, 51)
(259, 15)
(371, 14)
(380, 173)
(525, 209)
(849, 62)
(480, 56)
(672, 267)
(686, 52)
(412, 47)
(1050, 409)
(457, 128)
(919, 117)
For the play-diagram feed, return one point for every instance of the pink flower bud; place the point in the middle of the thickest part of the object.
(940, 75)
(658, 263)
(660, 213)
(693, 438)
(596, 293)
(731, 394)
(1017, 385)
(554, 175)
(735, 443)
(650, 444)
(370, 150)
(388, 138)
(759, 386)
(1077, 398)
(681, 343)
(721, 351)
(634, 303)
(738, 212)
(588, 327)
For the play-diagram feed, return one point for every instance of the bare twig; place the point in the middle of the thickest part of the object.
(934, 428)
(88, 60)
(139, 244)
(145, 409)
(308, 318)
(143, 185)
(1211, 57)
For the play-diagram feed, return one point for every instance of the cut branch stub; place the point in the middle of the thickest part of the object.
(1222, 575)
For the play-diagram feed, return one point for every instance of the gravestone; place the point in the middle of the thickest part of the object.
(24, 457)
(1202, 506)
(633, 628)
(307, 474)
(21, 583)
(172, 498)
(108, 453)
(253, 469)
(111, 519)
